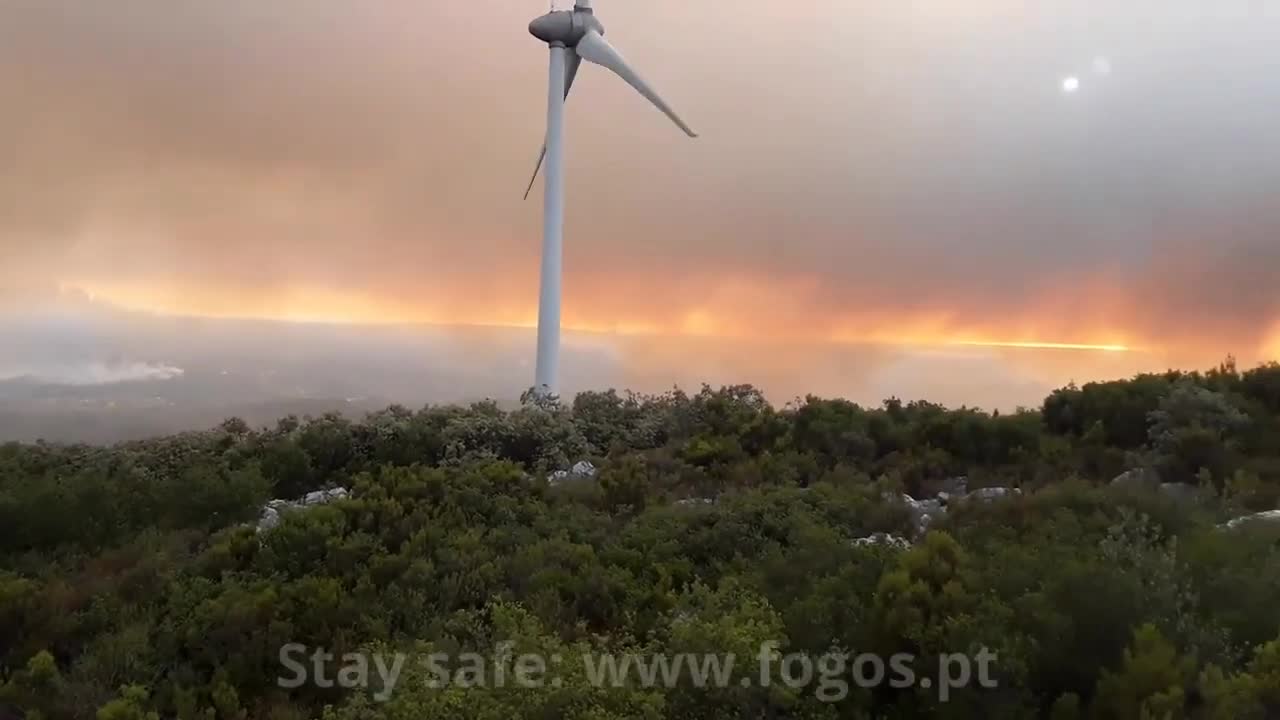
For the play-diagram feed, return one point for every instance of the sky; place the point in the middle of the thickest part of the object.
(925, 173)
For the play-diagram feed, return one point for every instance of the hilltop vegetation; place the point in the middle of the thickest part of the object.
(134, 583)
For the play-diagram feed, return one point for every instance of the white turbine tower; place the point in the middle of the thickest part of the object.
(574, 35)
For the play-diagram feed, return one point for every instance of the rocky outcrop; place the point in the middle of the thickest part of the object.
(882, 540)
(1268, 516)
(272, 511)
(923, 512)
(926, 512)
(583, 469)
(992, 493)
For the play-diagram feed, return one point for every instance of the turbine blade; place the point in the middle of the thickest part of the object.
(573, 62)
(594, 48)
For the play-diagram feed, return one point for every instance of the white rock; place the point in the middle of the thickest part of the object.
(271, 511)
(882, 539)
(696, 501)
(1266, 516)
(924, 512)
(992, 493)
(270, 518)
(580, 469)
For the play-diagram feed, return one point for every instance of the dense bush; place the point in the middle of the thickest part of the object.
(133, 583)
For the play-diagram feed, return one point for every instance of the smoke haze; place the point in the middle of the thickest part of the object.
(905, 174)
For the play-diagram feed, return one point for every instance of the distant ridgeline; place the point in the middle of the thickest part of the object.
(1093, 546)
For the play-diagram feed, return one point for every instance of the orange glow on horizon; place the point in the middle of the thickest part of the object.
(1271, 346)
(323, 305)
(1035, 345)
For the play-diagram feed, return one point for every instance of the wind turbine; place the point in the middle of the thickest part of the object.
(574, 35)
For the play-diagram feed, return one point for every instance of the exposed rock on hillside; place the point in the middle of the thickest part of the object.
(271, 511)
(1266, 516)
(580, 469)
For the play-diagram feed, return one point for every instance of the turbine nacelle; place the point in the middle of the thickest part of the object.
(565, 27)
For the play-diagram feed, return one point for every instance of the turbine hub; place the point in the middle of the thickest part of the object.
(565, 27)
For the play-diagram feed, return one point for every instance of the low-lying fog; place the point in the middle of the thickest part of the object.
(85, 372)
